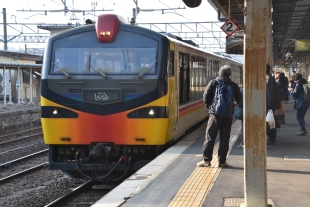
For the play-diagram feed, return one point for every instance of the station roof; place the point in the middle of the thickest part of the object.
(291, 21)
(20, 55)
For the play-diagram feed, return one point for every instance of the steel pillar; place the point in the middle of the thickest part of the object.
(10, 87)
(30, 73)
(19, 85)
(256, 40)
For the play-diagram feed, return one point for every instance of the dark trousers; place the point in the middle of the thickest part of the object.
(300, 116)
(271, 133)
(215, 124)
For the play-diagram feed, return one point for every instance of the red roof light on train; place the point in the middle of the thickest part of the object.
(107, 27)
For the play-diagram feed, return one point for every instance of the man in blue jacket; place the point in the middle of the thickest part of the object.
(301, 105)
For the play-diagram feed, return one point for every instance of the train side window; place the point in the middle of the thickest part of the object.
(204, 74)
(215, 69)
(209, 71)
(186, 78)
(193, 77)
(171, 64)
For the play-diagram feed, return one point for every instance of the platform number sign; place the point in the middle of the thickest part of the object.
(230, 27)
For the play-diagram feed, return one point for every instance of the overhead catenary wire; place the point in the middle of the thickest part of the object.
(201, 26)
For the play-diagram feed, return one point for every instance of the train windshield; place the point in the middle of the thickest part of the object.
(104, 60)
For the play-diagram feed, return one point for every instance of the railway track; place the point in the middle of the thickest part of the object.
(7, 164)
(6, 137)
(64, 199)
(10, 177)
(21, 139)
(84, 195)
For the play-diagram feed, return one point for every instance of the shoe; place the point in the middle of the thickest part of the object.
(203, 163)
(270, 143)
(240, 145)
(223, 165)
(301, 133)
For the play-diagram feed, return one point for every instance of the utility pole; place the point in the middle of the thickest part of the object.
(5, 39)
(94, 4)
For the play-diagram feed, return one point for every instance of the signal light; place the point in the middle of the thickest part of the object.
(103, 34)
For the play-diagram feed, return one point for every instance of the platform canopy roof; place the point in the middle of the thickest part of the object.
(291, 21)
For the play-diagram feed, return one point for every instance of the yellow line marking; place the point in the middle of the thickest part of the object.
(198, 185)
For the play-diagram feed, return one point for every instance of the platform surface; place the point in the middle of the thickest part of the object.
(173, 179)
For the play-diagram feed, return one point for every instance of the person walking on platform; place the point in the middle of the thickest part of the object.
(282, 87)
(301, 105)
(273, 102)
(293, 83)
(287, 93)
(239, 115)
(219, 97)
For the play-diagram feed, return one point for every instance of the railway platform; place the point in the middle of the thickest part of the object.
(173, 179)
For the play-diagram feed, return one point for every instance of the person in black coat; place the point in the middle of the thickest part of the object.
(272, 102)
(217, 122)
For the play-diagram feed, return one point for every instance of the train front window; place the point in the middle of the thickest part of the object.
(123, 60)
(70, 61)
(106, 60)
(135, 61)
(138, 60)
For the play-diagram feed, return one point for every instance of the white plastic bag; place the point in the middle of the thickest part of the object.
(270, 119)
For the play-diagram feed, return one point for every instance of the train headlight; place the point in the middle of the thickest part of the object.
(150, 112)
(57, 112)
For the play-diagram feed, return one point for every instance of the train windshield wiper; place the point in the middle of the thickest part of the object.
(98, 71)
(146, 69)
(61, 70)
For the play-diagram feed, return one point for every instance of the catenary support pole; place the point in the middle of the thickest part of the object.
(5, 36)
(256, 43)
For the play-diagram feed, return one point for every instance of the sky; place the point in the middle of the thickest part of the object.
(166, 11)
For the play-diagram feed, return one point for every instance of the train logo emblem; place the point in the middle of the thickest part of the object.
(101, 96)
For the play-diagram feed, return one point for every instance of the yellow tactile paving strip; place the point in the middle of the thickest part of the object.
(196, 188)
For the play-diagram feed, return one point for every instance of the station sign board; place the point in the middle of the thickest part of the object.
(230, 27)
(234, 44)
(302, 45)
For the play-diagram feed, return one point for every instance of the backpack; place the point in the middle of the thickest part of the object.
(307, 92)
(223, 100)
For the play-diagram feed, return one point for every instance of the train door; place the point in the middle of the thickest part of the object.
(215, 69)
(173, 101)
(183, 78)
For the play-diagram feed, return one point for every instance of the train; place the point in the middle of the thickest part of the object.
(113, 95)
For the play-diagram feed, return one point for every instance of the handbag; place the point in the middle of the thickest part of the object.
(270, 119)
(294, 104)
(238, 113)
